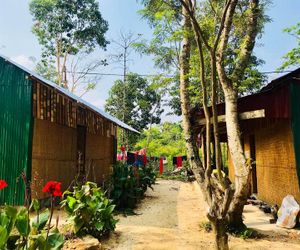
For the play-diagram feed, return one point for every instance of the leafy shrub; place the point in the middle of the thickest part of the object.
(124, 186)
(18, 231)
(147, 177)
(244, 233)
(90, 212)
(206, 225)
(249, 234)
(128, 184)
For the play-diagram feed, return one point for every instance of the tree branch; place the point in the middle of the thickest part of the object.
(190, 10)
(249, 42)
(222, 23)
(226, 29)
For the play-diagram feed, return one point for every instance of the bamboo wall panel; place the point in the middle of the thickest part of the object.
(99, 156)
(55, 139)
(50, 105)
(275, 163)
(54, 155)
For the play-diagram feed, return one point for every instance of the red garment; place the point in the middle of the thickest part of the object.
(179, 161)
(122, 148)
(161, 166)
(145, 160)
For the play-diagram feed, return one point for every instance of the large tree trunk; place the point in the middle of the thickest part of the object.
(238, 158)
(221, 236)
(241, 168)
(190, 136)
(204, 177)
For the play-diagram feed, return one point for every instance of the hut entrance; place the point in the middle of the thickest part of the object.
(81, 146)
(253, 158)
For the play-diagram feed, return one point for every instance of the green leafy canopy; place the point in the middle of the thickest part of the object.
(78, 24)
(142, 102)
(292, 58)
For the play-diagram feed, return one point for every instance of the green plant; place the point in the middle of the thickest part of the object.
(244, 233)
(90, 212)
(124, 186)
(147, 177)
(8, 217)
(206, 225)
(129, 184)
(248, 233)
(17, 230)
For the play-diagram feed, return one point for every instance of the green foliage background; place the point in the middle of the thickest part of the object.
(166, 140)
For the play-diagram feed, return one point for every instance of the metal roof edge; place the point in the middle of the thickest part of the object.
(71, 95)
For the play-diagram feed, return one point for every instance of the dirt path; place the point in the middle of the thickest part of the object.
(170, 217)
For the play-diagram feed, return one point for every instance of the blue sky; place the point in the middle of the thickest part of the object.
(18, 43)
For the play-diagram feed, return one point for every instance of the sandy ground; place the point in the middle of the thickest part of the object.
(170, 218)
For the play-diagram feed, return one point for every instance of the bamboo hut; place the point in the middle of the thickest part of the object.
(48, 133)
(270, 132)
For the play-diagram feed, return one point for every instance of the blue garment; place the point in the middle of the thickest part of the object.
(139, 162)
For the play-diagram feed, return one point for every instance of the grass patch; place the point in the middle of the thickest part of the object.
(206, 225)
(245, 233)
(174, 177)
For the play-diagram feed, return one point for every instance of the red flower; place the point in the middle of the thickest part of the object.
(53, 188)
(3, 184)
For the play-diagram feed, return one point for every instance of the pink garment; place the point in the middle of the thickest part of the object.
(119, 157)
(142, 152)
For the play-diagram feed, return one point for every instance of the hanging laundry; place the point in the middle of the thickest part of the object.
(174, 161)
(131, 158)
(122, 148)
(161, 166)
(165, 160)
(139, 161)
(177, 160)
(145, 160)
(119, 157)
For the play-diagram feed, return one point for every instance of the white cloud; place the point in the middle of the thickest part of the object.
(25, 61)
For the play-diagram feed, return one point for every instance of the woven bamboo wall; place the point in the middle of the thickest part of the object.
(99, 157)
(275, 160)
(53, 155)
(51, 105)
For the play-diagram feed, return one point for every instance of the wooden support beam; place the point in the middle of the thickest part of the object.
(260, 113)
